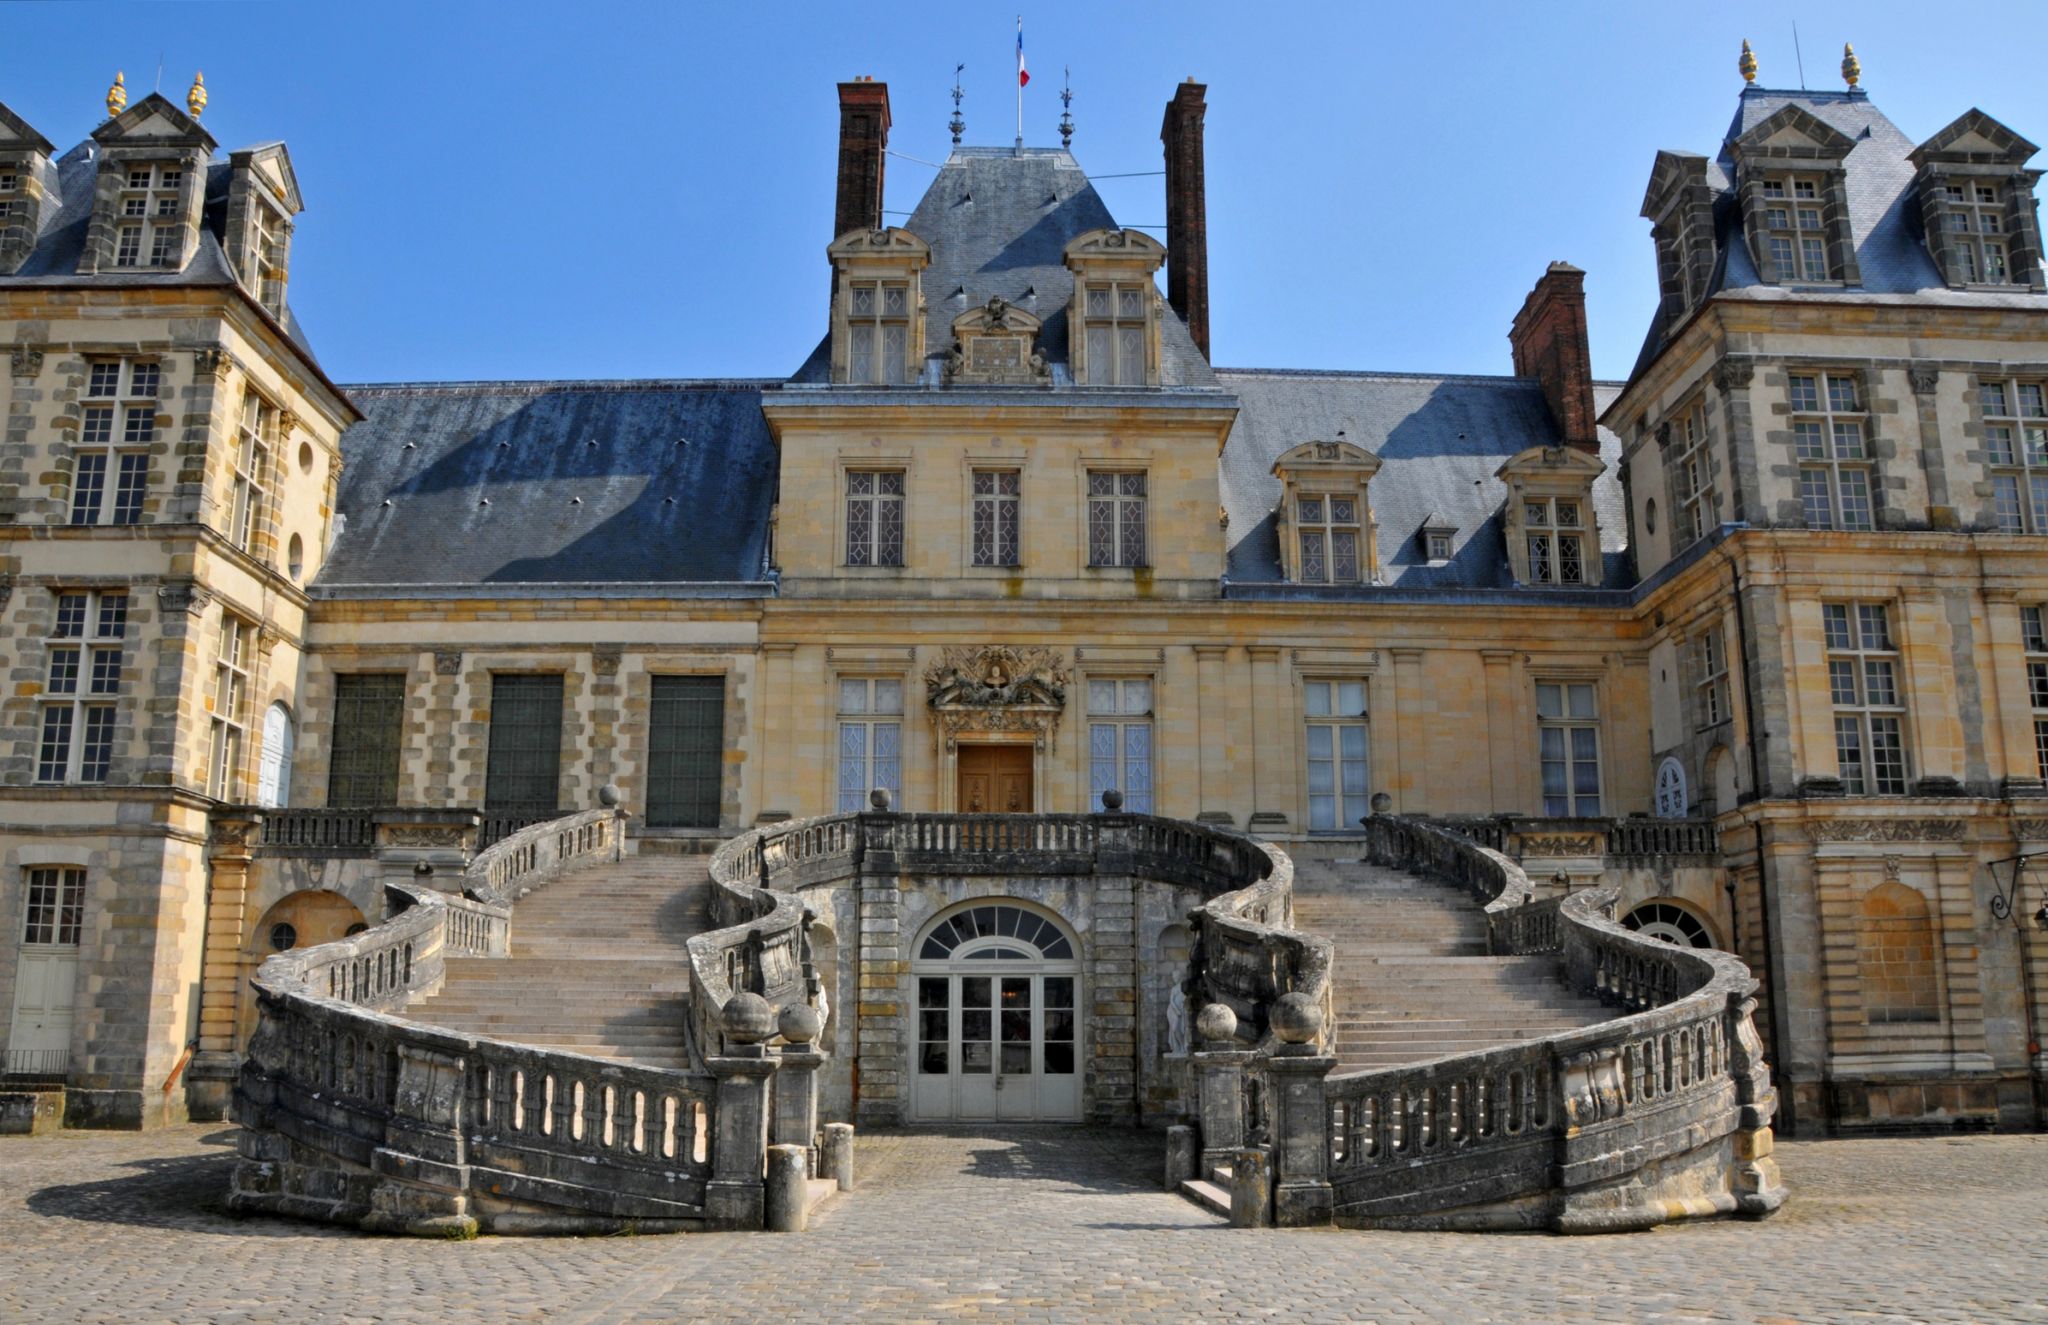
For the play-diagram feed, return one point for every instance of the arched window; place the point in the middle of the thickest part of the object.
(1895, 957)
(1670, 922)
(1670, 790)
(274, 780)
(1030, 937)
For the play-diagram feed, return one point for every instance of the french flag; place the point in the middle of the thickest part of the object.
(1023, 74)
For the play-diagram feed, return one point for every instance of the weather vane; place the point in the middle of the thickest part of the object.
(957, 125)
(1066, 108)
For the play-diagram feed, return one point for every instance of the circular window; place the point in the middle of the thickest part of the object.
(1673, 924)
(305, 457)
(295, 556)
(355, 929)
(283, 937)
(1650, 516)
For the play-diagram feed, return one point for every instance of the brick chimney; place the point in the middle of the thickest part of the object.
(1549, 337)
(863, 139)
(1187, 212)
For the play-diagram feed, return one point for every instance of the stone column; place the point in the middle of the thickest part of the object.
(1219, 1069)
(1504, 755)
(1409, 708)
(1212, 723)
(776, 721)
(1110, 1005)
(796, 1095)
(423, 1166)
(878, 1012)
(735, 1197)
(1301, 1136)
(2010, 740)
(1273, 780)
(230, 852)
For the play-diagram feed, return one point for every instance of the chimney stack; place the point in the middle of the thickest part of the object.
(1549, 339)
(1187, 213)
(863, 140)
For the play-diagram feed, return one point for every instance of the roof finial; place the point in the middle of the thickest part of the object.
(1747, 64)
(195, 100)
(956, 124)
(117, 95)
(1066, 109)
(1852, 68)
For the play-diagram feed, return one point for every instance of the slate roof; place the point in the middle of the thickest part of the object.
(1439, 440)
(554, 483)
(1884, 215)
(998, 221)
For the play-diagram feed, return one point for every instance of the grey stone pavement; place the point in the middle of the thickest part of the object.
(1043, 1224)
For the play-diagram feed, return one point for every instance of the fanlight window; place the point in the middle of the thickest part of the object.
(1673, 924)
(1031, 937)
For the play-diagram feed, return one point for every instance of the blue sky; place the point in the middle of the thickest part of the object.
(645, 190)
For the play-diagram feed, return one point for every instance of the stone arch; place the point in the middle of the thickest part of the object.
(1895, 952)
(1672, 921)
(1175, 943)
(313, 915)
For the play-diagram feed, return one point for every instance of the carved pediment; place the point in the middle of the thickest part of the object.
(1974, 137)
(1793, 132)
(1328, 456)
(888, 243)
(1110, 242)
(997, 676)
(996, 344)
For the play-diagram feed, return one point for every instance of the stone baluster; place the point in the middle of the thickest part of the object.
(1301, 1114)
(422, 1168)
(735, 1197)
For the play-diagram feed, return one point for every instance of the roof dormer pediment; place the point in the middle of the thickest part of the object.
(1671, 172)
(1556, 463)
(891, 245)
(1112, 244)
(1975, 138)
(153, 120)
(16, 135)
(1792, 133)
(1332, 457)
(270, 163)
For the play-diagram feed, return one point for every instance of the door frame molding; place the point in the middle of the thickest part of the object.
(949, 777)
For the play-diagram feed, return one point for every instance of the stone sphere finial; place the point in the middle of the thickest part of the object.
(1112, 800)
(609, 796)
(748, 1019)
(799, 1023)
(1216, 1022)
(879, 798)
(1381, 802)
(1295, 1018)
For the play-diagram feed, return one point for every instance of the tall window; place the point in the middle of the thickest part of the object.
(1828, 434)
(81, 686)
(995, 517)
(255, 443)
(55, 915)
(150, 219)
(1120, 741)
(2016, 444)
(1115, 313)
(1692, 476)
(1793, 229)
(230, 706)
(1338, 796)
(1976, 223)
(2035, 633)
(117, 424)
(267, 242)
(874, 517)
(870, 740)
(879, 321)
(1557, 541)
(1863, 684)
(1116, 518)
(1710, 676)
(1329, 530)
(368, 739)
(523, 767)
(685, 751)
(1568, 735)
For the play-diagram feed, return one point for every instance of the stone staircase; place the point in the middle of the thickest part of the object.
(1413, 980)
(598, 965)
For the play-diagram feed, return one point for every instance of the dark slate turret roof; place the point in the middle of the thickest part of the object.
(660, 483)
(998, 222)
(1439, 440)
(1884, 215)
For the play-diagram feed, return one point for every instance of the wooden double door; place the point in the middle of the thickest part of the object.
(994, 779)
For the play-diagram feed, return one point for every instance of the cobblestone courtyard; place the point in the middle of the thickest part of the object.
(1034, 1225)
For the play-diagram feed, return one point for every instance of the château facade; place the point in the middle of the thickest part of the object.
(1756, 634)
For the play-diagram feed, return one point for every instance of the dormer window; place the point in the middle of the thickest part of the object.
(1436, 544)
(1976, 226)
(879, 323)
(1977, 204)
(1552, 536)
(1328, 528)
(1557, 542)
(1793, 187)
(1792, 224)
(1117, 314)
(151, 217)
(1113, 321)
(878, 307)
(1326, 532)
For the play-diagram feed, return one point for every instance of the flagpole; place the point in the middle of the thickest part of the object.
(1020, 84)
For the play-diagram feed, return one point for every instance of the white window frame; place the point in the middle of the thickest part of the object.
(1436, 545)
(1318, 532)
(1117, 505)
(82, 674)
(232, 683)
(873, 508)
(116, 429)
(255, 450)
(1568, 737)
(1344, 751)
(1692, 473)
(1795, 222)
(870, 714)
(1710, 676)
(1976, 232)
(1831, 446)
(995, 532)
(1558, 540)
(878, 316)
(2016, 452)
(1117, 317)
(2034, 639)
(1866, 687)
(53, 906)
(1120, 712)
(149, 216)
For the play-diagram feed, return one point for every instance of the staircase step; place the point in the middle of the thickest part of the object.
(1207, 1195)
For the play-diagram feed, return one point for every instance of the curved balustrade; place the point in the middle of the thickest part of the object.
(352, 1113)
(1662, 1113)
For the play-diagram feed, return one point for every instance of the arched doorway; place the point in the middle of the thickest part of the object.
(998, 1029)
(298, 920)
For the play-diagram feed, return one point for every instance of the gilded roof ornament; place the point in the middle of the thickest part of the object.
(1747, 64)
(1852, 68)
(117, 96)
(195, 100)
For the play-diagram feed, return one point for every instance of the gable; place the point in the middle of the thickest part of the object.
(1792, 131)
(1975, 136)
(153, 120)
(15, 133)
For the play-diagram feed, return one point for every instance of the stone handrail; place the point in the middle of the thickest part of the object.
(353, 1113)
(1618, 840)
(517, 864)
(1661, 1113)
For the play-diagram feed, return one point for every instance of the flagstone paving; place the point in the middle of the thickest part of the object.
(1039, 1224)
